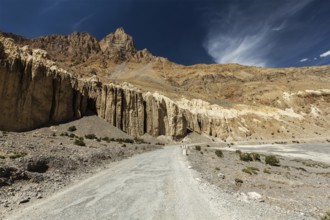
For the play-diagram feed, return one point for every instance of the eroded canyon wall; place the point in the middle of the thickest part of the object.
(34, 93)
(137, 113)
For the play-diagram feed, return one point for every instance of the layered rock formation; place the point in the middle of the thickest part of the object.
(34, 92)
(39, 87)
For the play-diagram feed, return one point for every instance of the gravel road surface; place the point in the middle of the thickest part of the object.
(153, 185)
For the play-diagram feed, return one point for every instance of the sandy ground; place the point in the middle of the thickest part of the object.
(298, 184)
(154, 185)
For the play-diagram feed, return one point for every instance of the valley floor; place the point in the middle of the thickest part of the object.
(37, 164)
(153, 185)
(296, 183)
(46, 174)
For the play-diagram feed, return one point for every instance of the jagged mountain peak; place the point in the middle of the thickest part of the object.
(120, 31)
(80, 47)
(118, 46)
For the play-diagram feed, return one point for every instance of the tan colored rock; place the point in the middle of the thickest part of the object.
(163, 117)
(33, 92)
(118, 46)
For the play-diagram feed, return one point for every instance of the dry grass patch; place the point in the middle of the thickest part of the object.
(251, 170)
(272, 160)
(12, 155)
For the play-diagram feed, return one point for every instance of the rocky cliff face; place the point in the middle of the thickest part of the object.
(34, 92)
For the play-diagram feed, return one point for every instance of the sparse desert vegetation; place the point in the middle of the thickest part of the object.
(326, 216)
(218, 153)
(37, 163)
(90, 136)
(80, 142)
(272, 160)
(295, 184)
(267, 170)
(251, 170)
(245, 157)
(12, 154)
(72, 128)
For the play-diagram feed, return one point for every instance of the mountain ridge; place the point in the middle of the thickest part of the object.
(81, 46)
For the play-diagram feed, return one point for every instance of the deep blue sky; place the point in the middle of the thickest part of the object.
(270, 33)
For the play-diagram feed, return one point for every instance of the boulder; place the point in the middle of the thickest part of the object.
(37, 165)
(254, 196)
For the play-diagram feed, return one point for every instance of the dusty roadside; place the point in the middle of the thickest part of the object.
(296, 184)
(36, 164)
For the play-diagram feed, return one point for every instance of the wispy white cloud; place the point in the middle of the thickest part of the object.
(279, 27)
(227, 49)
(51, 5)
(244, 35)
(77, 24)
(304, 60)
(325, 54)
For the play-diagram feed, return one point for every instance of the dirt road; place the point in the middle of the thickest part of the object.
(154, 185)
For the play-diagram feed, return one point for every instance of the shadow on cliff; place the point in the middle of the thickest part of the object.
(91, 110)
